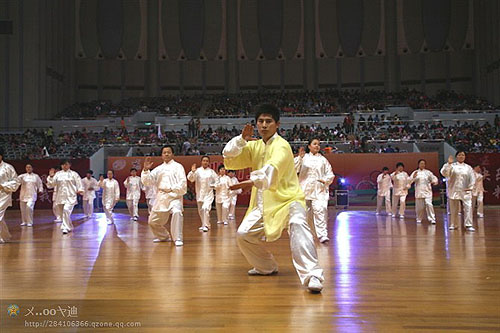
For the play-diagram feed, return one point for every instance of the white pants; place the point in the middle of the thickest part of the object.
(4, 230)
(66, 210)
(455, 209)
(222, 211)
(133, 207)
(317, 215)
(27, 208)
(56, 211)
(381, 199)
(232, 208)
(108, 211)
(304, 255)
(158, 220)
(401, 199)
(150, 202)
(423, 205)
(479, 201)
(88, 207)
(204, 212)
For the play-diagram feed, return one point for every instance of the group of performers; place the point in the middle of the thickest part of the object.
(464, 188)
(287, 193)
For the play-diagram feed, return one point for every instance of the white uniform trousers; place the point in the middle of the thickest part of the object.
(455, 209)
(222, 211)
(304, 255)
(204, 212)
(401, 199)
(479, 202)
(108, 211)
(57, 212)
(158, 220)
(150, 203)
(232, 208)
(317, 215)
(133, 207)
(422, 206)
(88, 207)
(66, 210)
(387, 200)
(27, 208)
(4, 230)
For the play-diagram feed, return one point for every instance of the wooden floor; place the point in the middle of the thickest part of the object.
(381, 275)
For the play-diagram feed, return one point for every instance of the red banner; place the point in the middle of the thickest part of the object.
(490, 165)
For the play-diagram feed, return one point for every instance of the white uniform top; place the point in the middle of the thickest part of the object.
(461, 179)
(401, 183)
(222, 192)
(133, 186)
(384, 185)
(149, 191)
(167, 176)
(312, 168)
(110, 192)
(234, 181)
(67, 184)
(205, 180)
(478, 186)
(423, 183)
(87, 184)
(31, 184)
(9, 183)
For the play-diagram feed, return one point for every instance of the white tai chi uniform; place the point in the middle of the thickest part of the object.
(251, 230)
(134, 187)
(461, 180)
(478, 194)
(110, 196)
(67, 184)
(167, 176)
(234, 198)
(311, 169)
(55, 207)
(150, 194)
(423, 194)
(384, 185)
(205, 180)
(9, 183)
(31, 184)
(401, 183)
(222, 198)
(89, 187)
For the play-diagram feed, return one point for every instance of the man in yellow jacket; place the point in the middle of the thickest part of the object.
(277, 201)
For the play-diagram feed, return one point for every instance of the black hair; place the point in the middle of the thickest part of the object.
(167, 146)
(269, 109)
(91, 172)
(476, 165)
(228, 171)
(205, 156)
(111, 171)
(64, 161)
(400, 164)
(132, 169)
(385, 168)
(220, 167)
(458, 152)
(311, 140)
(421, 160)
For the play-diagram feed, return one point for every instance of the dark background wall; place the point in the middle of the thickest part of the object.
(64, 51)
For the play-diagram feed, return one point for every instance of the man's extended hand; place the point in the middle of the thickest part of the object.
(247, 132)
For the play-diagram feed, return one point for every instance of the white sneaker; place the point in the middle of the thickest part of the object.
(179, 243)
(418, 221)
(2, 241)
(219, 222)
(65, 231)
(131, 218)
(452, 227)
(204, 229)
(200, 228)
(136, 218)
(433, 222)
(30, 224)
(314, 285)
(401, 216)
(57, 221)
(393, 215)
(157, 240)
(324, 239)
(225, 223)
(377, 213)
(110, 222)
(255, 272)
(480, 215)
(23, 224)
(470, 228)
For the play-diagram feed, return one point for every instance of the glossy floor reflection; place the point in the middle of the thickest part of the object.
(382, 274)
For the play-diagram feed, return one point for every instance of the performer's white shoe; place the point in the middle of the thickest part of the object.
(314, 285)
(23, 224)
(255, 272)
(324, 239)
(452, 227)
(470, 228)
(179, 243)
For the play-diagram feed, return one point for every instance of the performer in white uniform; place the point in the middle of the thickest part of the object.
(277, 202)
(478, 192)
(233, 194)
(222, 196)
(315, 177)
(384, 185)
(31, 184)
(9, 183)
(134, 186)
(205, 179)
(55, 208)
(90, 185)
(68, 184)
(423, 179)
(110, 195)
(169, 181)
(150, 194)
(460, 184)
(401, 183)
